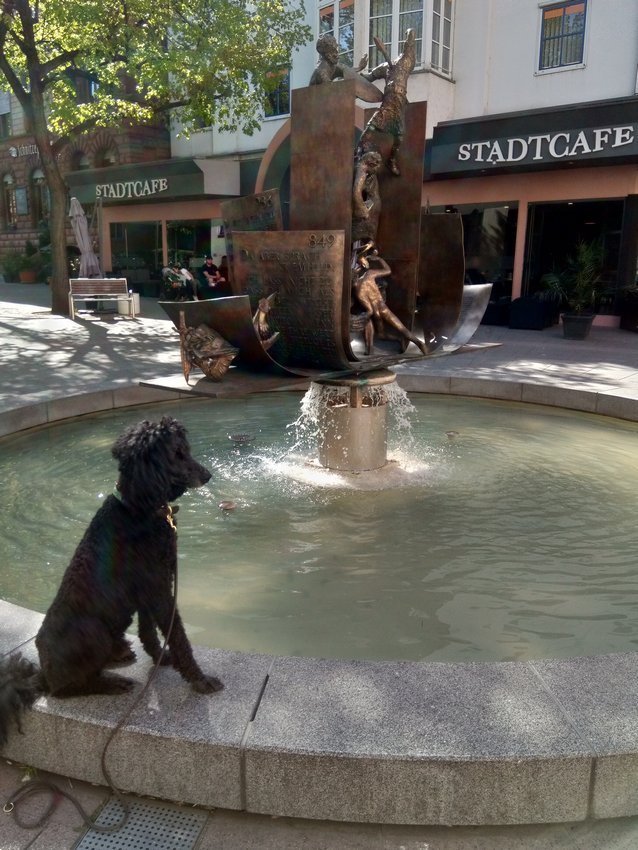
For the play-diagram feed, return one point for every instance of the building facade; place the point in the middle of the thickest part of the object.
(24, 201)
(531, 134)
(542, 149)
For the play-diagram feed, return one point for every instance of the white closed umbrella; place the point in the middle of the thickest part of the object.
(89, 263)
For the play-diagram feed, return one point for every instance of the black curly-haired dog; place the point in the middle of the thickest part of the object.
(125, 564)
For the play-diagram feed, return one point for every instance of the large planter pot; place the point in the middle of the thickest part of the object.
(576, 325)
(28, 276)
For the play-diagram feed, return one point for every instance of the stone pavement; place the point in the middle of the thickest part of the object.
(44, 357)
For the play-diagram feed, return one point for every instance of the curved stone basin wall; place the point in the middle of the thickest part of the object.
(383, 742)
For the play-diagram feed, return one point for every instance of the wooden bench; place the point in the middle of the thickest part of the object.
(99, 289)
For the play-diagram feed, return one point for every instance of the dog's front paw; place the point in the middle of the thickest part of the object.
(111, 683)
(122, 653)
(207, 685)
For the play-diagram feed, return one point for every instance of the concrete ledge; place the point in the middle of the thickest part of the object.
(405, 742)
(604, 402)
(46, 412)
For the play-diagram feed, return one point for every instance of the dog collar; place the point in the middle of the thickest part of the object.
(169, 509)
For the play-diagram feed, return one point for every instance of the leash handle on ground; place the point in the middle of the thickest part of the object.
(42, 786)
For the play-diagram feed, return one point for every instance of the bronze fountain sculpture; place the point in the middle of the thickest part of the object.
(302, 296)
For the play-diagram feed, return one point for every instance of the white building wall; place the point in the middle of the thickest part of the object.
(495, 67)
(496, 52)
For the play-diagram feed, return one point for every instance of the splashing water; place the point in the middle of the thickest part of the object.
(307, 427)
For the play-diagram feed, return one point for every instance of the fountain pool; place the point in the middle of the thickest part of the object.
(498, 531)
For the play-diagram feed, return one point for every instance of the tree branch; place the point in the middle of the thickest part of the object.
(53, 64)
(62, 141)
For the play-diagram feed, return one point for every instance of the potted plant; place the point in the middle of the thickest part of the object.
(24, 266)
(32, 264)
(576, 288)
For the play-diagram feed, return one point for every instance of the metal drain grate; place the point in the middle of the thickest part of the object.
(151, 826)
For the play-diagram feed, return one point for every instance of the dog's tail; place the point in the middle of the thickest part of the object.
(21, 683)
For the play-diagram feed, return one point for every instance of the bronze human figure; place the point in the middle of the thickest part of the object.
(390, 116)
(366, 198)
(369, 295)
(329, 68)
(260, 321)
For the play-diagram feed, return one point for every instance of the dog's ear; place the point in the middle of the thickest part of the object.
(172, 427)
(144, 462)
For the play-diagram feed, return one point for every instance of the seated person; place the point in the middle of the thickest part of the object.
(188, 276)
(212, 284)
(174, 286)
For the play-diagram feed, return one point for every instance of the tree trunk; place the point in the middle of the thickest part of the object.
(57, 222)
(60, 272)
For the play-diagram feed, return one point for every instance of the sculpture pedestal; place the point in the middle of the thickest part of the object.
(353, 423)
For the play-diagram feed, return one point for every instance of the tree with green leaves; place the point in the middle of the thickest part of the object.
(202, 62)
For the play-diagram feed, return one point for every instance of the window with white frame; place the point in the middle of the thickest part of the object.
(389, 22)
(562, 34)
(337, 19)
(441, 59)
(391, 19)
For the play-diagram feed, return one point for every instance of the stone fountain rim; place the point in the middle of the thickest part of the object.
(379, 742)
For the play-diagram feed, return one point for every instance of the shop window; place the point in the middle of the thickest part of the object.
(190, 241)
(389, 21)
(9, 203)
(489, 238)
(136, 249)
(337, 19)
(562, 34)
(555, 229)
(40, 203)
(278, 99)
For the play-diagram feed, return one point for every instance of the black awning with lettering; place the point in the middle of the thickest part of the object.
(602, 133)
(157, 181)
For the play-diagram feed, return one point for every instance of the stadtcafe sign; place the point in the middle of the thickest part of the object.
(543, 147)
(518, 144)
(127, 189)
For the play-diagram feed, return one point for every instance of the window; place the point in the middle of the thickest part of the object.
(5, 125)
(389, 21)
(278, 98)
(39, 197)
(5, 115)
(10, 207)
(441, 58)
(79, 161)
(337, 19)
(562, 34)
(105, 157)
(85, 87)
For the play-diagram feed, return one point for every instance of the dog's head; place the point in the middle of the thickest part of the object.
(155, 464)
